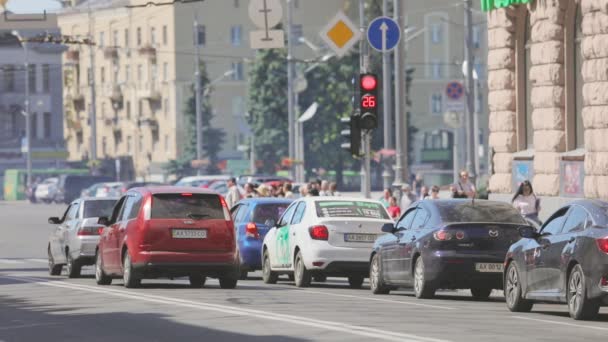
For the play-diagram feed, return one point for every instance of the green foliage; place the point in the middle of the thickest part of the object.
(213, 138)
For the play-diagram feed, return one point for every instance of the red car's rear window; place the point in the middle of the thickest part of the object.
(179, 206)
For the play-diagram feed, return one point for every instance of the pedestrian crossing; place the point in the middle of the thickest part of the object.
(21, 261)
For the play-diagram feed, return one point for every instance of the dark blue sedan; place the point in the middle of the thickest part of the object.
(445, 244)
(253, 218)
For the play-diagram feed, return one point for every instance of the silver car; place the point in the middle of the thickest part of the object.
(74, 240)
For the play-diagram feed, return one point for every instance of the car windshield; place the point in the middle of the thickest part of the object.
(194, 206)
(98, 208)
(265, 212)
(467, 211)
(351, 209)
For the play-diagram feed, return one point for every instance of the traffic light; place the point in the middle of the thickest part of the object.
(352, 134)
(368, 102)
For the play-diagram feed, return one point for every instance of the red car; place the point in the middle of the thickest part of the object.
(170, 232)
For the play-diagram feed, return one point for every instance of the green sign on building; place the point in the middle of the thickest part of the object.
(488, 5)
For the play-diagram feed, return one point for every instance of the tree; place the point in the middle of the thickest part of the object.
(213, 138)
(267, 107)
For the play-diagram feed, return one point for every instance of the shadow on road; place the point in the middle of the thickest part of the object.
(23, 320)
(565, 314)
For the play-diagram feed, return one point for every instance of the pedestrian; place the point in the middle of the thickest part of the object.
(233, 195)
(464, 187)
(263, 191)
(435, 192)
(324, 190)
(386, 197)
(417, 184)
(303, 190)
(393, 209)
(250, 191)
(424, 192)
(314, 192)
(407, 197)
(279, 191)
(526, 202)
(333, 189)
(287, 190)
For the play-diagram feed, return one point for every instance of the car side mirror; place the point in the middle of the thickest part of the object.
(54, 220)
(104, 221)
(528, 232)
(388, 228)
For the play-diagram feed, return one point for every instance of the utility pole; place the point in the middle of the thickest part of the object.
(366, 137)
(470, 89)
(386, 104)
(28, 119)
(93, 106)
(290, 86)
(197, 95)
(400, 110)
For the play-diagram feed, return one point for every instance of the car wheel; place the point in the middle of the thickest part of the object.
(302, 275)
(243, 275)
(130, 280)
(72, 267)
(268, 276)
(481, 292)
(54, 269)
(100, 276)
(228, 283)
(580, 307)
(355, 282)
(197, 280)
(513, 291)
(422, 288)
(376, 281)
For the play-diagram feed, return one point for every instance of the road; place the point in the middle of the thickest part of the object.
(37, 307)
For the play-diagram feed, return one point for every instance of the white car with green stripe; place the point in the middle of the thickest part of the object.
(323, 236)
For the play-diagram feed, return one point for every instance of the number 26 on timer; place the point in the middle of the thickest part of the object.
(368, 101)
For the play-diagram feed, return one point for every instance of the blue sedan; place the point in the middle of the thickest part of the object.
(253, 218)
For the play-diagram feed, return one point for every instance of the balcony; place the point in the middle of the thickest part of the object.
(74, 125)
(110, 52)
(151, 123)
(148, 51)
(116, 97)
(72, 56)
(148, 91)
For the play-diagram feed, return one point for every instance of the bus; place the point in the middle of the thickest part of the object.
(15, 180)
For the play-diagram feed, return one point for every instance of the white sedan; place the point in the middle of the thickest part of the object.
(323, 236)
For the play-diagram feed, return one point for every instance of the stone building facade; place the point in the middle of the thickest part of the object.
(548, 98)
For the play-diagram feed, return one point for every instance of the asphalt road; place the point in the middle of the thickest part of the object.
(37, 307)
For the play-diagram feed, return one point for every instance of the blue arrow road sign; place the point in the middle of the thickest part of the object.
(383, 34)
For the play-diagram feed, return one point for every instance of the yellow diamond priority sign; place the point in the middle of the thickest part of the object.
(340, 34)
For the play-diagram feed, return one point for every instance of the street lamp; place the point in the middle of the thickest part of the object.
(26, 112)
(221, 77)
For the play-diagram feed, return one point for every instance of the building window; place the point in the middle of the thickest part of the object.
(138, 36)
(116, 69)
(436, 103)
(235, 35)
(34, 125)
(140, 144)
(46, 119)
(115, 38)
(523, 86)
(126, 37)
(297, 32)
(101, 39)
(436, 68)
(140, 72)
(127, 73)
(9, 78)
(166, 143)
(46, 78)
(166, 107)
(153, 36)
(165, 71)
(140, 109)
(237, 71)
(476, 37)
(102, 74)
(129, 144)
(528, 65)
(436, 33)
(165, 35)
(154, 73)
(201, 35)
(104, 146)
(575, 131)
(32, 77)
(128, 110)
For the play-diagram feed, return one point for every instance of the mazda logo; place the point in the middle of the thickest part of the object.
(493, 233)
(188, 222)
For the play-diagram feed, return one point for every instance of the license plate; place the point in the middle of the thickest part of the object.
(189, 233)
(359, 237)
(489, 267)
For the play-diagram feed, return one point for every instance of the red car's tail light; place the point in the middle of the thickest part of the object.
(602, 244)
(251, 230)
(88, 231)
(148, 208)
(442, 235)
(319, 233)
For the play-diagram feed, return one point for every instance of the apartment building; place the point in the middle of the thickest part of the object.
(436, 55)
(143, 67)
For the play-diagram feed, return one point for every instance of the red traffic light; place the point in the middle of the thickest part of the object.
(369, 82)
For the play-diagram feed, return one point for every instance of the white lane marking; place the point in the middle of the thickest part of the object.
(266, 315)
(28, 326)
(10, 261)
(583, 326)
(361, 298)
(39, 261)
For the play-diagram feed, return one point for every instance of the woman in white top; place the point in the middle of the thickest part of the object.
(526, 202)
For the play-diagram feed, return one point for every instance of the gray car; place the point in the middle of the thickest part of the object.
(74, 239)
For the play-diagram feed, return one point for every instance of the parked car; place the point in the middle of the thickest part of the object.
(74, 240)
(70, 186)
(91, 190)
(449, 244)
(130, 185)
(323, 236)
(252, 219)
(565, 262)
(168, 232)
(45, 191)
(260, 179)
(109, 189)
(201, 181)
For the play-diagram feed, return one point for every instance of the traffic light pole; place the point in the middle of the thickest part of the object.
(365, 137)
(386, 104)
(400, 116)
(197, 96)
